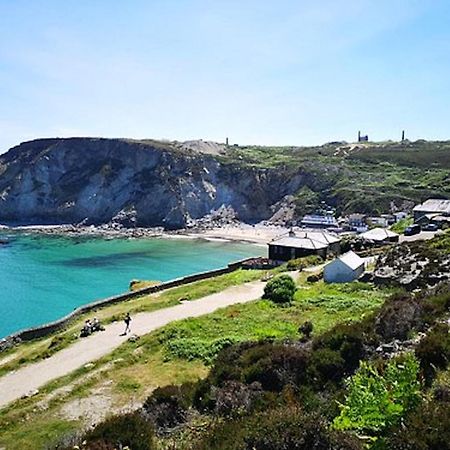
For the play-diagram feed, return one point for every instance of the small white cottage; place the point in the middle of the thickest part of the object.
(345, 268)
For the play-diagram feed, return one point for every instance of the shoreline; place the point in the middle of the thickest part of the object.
(251, 234)
(46, 328)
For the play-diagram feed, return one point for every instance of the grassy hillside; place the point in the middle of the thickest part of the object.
(364, 177)
(36, 350)
(337, 391)
(176, 354)
(156, 179)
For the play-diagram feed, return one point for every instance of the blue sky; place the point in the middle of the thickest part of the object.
(267, 72)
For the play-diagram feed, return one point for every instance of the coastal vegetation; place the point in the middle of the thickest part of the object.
(181, 352)
(335, 392)
(314, 371)
(366, 178)
(280, 289)
(35, 350)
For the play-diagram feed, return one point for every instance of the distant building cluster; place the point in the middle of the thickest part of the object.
(325, 235)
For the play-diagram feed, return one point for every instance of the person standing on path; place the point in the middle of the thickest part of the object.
(127, 321)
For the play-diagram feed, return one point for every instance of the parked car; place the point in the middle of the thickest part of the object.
(412, 229)
(430, 227)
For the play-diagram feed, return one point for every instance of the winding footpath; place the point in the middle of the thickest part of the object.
(27, 379)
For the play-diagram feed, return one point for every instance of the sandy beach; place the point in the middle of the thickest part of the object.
(255, 234)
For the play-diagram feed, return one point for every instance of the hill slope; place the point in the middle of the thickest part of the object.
(170, 184)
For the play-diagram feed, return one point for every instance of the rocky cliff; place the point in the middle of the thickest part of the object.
(146, 183)
(172, 184)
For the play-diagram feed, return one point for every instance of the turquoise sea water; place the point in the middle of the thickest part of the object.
(43, 278)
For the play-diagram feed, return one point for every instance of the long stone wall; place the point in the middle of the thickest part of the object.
(49, 328)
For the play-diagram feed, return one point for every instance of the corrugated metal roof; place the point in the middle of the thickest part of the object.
(321, 236)
(378, 234)
(298, 242)
(434, 205)
(318, 235)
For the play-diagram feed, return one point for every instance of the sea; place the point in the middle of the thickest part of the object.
(43, 278)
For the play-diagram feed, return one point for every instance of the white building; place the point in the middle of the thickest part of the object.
(345, 268)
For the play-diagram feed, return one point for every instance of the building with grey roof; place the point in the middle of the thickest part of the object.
(292, 247)
(432, 206)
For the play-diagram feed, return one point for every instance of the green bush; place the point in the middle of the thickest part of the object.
(326, 365)
(280, 289)
(350, 340)
(377, 400)
(276, 367)
(130, 430)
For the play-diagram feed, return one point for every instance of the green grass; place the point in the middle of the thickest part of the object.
(325, 305)
(42, 433)
(365, 180)
(34, 351)
(401, 225)
(182, 351)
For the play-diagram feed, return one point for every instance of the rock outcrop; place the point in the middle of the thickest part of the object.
(415, 265)
(134, 183)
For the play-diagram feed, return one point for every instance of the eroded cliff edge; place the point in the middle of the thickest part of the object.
(149, 183)
(152, 183)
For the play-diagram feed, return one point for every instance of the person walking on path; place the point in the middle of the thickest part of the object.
(127, 321)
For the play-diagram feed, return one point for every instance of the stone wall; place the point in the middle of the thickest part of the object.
(49, 328)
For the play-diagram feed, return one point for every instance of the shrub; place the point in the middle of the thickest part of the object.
(235, 398)
(168, 405)
(306, 328)
(292, 429)
(285, 428)
(433, 351)
(378, 400)
(426, 428)
(280, 289)
(272, 366)
(326, 365)
(436, 303)
(350, 340)
(130, 430)
(277, 366)
(398, 316)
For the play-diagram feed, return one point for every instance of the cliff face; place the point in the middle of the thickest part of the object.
(157, 184)
(170, 184)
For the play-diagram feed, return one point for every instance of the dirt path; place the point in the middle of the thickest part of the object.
(22, 382)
